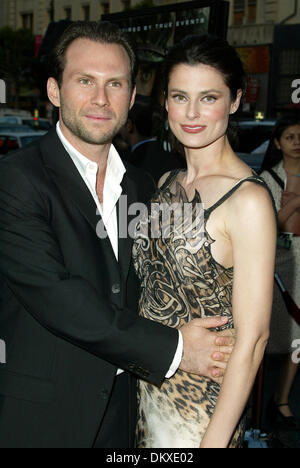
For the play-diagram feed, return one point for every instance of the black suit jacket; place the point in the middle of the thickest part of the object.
(68, 309)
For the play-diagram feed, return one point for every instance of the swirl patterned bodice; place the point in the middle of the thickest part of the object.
(179, 277)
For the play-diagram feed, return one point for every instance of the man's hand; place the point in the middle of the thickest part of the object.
(205, 352)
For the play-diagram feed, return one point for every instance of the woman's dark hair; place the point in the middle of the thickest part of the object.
(273, 155)
(102, 32)
(212, 51)
(207, 50)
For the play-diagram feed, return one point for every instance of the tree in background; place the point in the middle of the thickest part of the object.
(17, 58)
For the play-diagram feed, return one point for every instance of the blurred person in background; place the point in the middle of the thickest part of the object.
(281, 171)
(141, 131)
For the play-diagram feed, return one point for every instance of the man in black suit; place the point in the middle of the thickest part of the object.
(68, 291)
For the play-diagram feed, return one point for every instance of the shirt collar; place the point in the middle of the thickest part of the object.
(115, 168)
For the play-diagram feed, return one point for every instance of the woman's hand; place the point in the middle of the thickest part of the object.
(290, 204)
(290, 197)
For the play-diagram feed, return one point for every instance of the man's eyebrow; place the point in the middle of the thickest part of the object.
(79, 73)
(89, 75)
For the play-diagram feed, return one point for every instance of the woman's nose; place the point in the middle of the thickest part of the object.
(193, 110)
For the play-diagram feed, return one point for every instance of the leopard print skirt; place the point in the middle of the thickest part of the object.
(177, 414)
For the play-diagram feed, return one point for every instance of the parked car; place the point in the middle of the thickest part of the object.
(6, 127)
(10, 141)
(249, 139)
(254, 160)
(252, 133)
(40, 124)
(6, 111)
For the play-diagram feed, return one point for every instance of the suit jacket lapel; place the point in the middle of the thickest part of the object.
(70, 183)
(129, 196)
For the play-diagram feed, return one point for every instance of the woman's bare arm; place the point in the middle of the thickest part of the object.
(252, 228)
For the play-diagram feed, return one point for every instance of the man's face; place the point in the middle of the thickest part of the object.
(96, 92)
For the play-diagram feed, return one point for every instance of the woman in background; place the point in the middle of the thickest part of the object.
(281, 171)
(223, 265)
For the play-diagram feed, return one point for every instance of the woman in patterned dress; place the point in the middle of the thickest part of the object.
(220, 262)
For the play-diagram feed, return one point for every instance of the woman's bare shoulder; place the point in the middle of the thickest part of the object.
(252, 196)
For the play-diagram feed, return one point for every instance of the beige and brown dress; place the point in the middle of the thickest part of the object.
(180, 281)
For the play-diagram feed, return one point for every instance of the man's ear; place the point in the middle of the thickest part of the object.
(277, 144)
(53, 92)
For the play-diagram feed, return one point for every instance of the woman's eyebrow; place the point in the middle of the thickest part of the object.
(173, 90)
(211, 91)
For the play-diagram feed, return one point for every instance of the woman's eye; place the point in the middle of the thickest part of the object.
(179, 98)
(210, 99)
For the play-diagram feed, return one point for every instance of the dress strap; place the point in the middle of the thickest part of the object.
(171, 177)
(255, 178)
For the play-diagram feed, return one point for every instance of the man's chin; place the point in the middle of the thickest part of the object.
(97, 141)
(95, 138)
(89, 134)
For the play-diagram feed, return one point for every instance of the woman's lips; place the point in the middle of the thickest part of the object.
(193, 128)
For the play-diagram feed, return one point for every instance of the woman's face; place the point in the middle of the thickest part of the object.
(199, 103)
(289, 142)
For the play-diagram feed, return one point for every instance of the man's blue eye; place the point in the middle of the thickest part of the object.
(84, 81)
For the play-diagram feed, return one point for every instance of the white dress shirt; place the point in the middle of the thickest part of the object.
(108, 210)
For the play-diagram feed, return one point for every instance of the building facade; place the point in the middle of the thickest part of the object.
(265, 32)
(36, 15)
(251, 21)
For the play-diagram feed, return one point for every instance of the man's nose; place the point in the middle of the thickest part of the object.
(100, 96)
